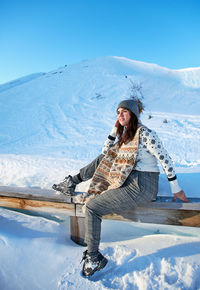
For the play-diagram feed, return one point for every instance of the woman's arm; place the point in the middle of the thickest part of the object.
(110, 140)
(153, 144)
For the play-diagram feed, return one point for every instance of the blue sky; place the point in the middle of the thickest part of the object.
(42, 35)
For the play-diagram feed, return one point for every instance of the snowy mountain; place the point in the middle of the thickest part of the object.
(71, 110)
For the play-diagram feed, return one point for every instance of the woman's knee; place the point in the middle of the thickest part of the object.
(91, 205)
(94, 206)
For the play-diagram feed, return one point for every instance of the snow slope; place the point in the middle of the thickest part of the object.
(72, 108)
(51, 124)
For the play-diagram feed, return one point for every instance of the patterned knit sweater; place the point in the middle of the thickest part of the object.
(150, 151)
(116, 166)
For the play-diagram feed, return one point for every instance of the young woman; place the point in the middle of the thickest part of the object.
(124, 176)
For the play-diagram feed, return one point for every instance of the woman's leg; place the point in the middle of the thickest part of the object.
(88, 171)
(69, 184)
(140, 187)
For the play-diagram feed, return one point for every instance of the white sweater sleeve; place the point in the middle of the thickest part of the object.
(154, 145)
(110, 140)
(174, 186)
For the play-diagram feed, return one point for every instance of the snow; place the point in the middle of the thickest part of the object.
(38, 252)
(51, 125)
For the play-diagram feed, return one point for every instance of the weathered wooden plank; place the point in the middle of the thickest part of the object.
(181, 217)
(162, 202)
(159, 216)
(50, 195)
(37, 205)
(163, 211)
(28, 190)
(194, 204)
(174, 205)
(56, 198)
(34, 194)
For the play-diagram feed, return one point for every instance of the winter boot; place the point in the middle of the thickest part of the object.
(93, 263)
(67, 186)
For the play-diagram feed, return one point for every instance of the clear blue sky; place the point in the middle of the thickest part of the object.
(42, 35)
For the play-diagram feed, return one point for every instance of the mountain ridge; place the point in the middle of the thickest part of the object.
(134, 62)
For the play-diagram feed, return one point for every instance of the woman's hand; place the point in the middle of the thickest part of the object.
(181, 195)
(116, 123)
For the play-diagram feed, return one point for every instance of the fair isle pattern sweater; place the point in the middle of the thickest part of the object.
(150, 151)
(115, 167)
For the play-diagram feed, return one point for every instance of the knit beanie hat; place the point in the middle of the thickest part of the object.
(132, 105)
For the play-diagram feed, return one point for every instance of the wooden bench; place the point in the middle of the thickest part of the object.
(161, 211)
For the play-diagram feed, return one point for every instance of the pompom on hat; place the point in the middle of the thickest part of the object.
(135, 106)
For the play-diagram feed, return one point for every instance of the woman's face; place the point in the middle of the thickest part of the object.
(123, 116)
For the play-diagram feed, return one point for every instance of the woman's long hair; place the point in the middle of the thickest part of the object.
(126, 134)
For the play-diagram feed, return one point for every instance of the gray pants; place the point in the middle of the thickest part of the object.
(140, 187)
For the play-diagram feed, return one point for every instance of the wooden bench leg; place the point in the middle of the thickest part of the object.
(77, 230)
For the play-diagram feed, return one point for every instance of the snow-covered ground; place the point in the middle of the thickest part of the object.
(51, 124)
(37, 253)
